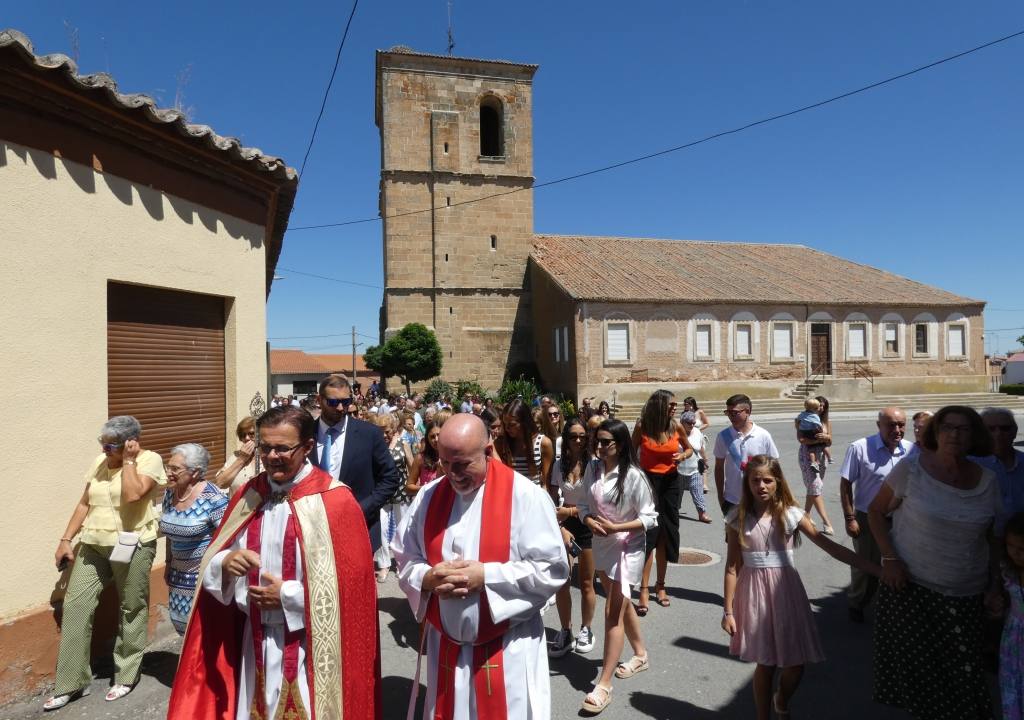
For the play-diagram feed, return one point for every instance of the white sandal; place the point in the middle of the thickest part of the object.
(117, 692)
(58, 701)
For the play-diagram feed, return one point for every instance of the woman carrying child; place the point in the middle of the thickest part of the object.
(767, 612)
(618, 507)
(814, 433)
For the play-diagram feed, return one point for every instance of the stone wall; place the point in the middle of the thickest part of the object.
(663, 341)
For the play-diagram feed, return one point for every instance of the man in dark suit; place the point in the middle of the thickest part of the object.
(354, 452)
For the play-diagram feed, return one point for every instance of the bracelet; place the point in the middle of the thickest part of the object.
(850, 518)
(67, 540)
(890, 558)
(726, 614)
(130, 462)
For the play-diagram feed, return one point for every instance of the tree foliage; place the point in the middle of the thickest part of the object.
(412, 354)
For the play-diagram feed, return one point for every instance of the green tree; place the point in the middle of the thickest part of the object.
(412, 354)
(1020, 341)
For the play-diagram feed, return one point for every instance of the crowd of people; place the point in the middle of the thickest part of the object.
(269, 559)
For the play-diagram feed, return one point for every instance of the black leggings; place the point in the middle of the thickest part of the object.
(668, 495)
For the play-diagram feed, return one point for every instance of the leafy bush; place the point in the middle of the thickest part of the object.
(437, 389)
(521, 387)
(567, 407)
(1012, 389)
(469, 386)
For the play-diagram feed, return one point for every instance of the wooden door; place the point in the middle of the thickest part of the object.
(821, 349)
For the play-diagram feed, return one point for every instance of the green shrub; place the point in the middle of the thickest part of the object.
(436, 390)
(469, 386)
(1012, 389)
(521, 387)
(567, 407)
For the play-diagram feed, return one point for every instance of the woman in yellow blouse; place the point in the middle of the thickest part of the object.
(118, 498)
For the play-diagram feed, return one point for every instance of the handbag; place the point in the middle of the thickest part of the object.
(124, 550)
(702, 465)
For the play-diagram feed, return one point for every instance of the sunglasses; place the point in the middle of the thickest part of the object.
(554, 414)
(577, 438)
(605, 442)
(111, 447)
(335, 402)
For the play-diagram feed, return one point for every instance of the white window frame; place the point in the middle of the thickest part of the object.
(927, 339)
(934, 341)
(737, 326)
(630, 344)
(892, 319)
(565, 344)
(961, 327)
(848, 326)
(892, 350)
(697, 332)
(776, 325)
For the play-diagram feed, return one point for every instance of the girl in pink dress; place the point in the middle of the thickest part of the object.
(766, 608)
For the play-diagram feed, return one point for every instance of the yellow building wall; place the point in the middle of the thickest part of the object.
(66, 231)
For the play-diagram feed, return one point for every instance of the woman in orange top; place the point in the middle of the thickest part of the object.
(661, 444)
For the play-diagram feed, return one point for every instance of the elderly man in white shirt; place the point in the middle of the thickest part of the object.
(867, 463)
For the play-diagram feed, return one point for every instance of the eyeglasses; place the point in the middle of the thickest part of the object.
(268, 449)
(735, 412)
(1002, 428)
(110, 447)
(175, 469)
(605, 442)
(335, 402)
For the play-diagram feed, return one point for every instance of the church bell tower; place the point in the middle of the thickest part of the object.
(456, 198)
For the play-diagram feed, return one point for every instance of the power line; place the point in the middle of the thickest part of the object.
(316, 337)
(684, 146)
(324, 277)
(327, 92)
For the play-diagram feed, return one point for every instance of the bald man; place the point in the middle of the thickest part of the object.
(479, 554)
(867, 463)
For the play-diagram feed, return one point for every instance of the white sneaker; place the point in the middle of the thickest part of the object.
(564, 643)
(585, 640)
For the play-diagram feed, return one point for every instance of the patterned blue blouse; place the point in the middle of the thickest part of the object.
(188, 532)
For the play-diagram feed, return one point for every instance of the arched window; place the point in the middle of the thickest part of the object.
(492, 127)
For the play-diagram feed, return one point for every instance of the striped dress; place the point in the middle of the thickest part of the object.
(188, 533)
(521, 463)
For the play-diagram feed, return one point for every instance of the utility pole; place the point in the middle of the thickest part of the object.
(355, 376)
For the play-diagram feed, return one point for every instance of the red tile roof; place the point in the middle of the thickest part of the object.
(615, 269)
(294, 362)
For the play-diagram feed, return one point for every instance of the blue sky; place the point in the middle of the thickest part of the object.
(922, 177)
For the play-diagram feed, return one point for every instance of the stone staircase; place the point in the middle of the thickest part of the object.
(790, 406)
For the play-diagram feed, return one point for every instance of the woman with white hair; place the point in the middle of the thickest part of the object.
(192, 510)
(118, 544)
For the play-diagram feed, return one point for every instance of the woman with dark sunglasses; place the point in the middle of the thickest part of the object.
(618, 507)
(567, 477)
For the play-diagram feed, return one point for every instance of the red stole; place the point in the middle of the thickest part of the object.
(206, 684)
(495, 535)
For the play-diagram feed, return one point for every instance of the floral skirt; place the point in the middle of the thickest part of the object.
(928, 654)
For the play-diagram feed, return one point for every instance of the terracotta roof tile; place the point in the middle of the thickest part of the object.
(341, 363)
(646, 270)
(288, 362)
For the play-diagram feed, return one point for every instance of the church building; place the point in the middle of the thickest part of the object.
(593, 315)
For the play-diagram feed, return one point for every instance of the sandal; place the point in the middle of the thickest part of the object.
(663, 601)
(641, 605)
(117, 692)
(634, 665)
(59, 701)
(594, 703)
(382, 574)
(704, 518)
(775, 705)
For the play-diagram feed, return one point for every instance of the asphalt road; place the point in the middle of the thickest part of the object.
(692, 674)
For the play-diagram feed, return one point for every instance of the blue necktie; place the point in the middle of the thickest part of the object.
(325, 456)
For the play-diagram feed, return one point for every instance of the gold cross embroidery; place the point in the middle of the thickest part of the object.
(487, 667)
(450, 674)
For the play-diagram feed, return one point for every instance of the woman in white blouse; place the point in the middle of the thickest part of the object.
(937, 571)
(618, 507)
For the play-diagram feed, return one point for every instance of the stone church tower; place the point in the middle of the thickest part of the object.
(453, 130)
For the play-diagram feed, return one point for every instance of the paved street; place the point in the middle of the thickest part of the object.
(692, 675)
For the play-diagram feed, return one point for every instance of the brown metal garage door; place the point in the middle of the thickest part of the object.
(165, 366)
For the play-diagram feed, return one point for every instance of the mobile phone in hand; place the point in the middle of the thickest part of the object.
(574, 549)
(62, 565)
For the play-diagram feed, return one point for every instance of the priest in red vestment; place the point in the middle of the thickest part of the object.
(284, 623)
